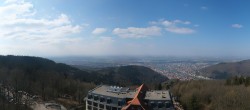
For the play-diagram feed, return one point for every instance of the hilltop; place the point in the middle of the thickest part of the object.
(131, 75)
(36, 66)
(227, 70)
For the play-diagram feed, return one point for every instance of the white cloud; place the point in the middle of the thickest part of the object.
(167, 23)
(180, 30)
(135, 32)
(19, 22)
(196, 25)
(79, 46)
(98, 31)
(181, 22)
(204, 8)
(11, 1)
(237, 25)
(22, 32)
(170, 23)
(175, 26)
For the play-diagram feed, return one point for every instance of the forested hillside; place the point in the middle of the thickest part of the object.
(40, 77)
(132, 75)
(227, 70)
(50, 80)
(213, 94)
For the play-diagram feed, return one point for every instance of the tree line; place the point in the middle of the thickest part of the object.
(213, 94)
(238, 80)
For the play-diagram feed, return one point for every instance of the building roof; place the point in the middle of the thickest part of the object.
(158, 95)
(114, 91)
(124, 92)
(138, 98)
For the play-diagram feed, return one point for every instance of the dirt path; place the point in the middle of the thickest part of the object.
(42, 106)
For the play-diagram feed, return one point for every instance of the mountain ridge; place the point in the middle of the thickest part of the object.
(228, 69)
(129, 75)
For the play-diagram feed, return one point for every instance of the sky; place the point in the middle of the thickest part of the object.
(125, 27)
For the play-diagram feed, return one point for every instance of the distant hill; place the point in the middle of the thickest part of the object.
(131, 75)
(33, 64)
(32, 70)
(226, 70)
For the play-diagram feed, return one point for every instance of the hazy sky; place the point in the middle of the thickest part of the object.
(125, 27)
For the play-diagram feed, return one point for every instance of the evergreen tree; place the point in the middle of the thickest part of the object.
(247, 81)
(160, 87)
(241, 80)
(236, 80)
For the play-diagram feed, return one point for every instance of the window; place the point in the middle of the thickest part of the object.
(132, 108)
(101, 106)
(89, 96)
(109, 101)
(135, 108)
(114, 108)
(108, 108)
(95, 104)
(160, 105)
(152, 104)
(168, 105)
(89, 102)
(146, 102)
(120, 103)
(96, 97)
(102, 99)
(89, 107)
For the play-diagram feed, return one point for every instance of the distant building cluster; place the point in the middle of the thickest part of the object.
(179, 70)
(106, 97)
